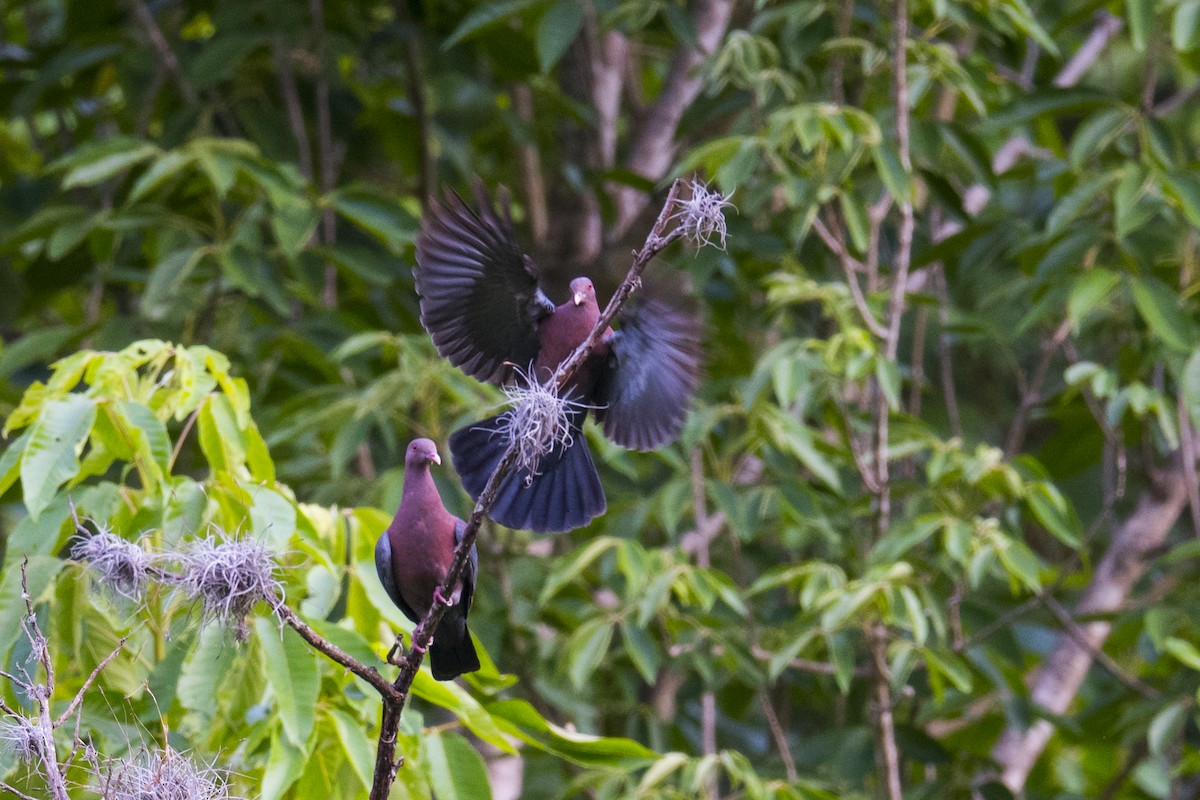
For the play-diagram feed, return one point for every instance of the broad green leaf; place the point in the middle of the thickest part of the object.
(1159, 308)
(377, 215)
(285, 763)
(360, 751)
(1185, 188)
(1055, 513)
(1185, 26)
(557, 30)
(221, 439)
(524, 722)
(456, 699)
(1140, 14)
(158, 173)
(586, 648)
(291, 670)
(582, 560)
(486, 16)
(642, 650)
(1184, 651)
(51, 455)
(41, 570)
(1088, 292)
(1166, 727)
(97, 162)
(1189, 386)
(455, 769)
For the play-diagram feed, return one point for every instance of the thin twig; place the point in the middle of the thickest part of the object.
(290, 92)
(87, 684)
(850, 265)
(1076, 632)
(780, 737)
(162, 50)
(888, 753)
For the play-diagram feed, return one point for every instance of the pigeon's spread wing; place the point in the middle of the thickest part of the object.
(480, 299)
(470, 570)
(648, 380)
(383, 566)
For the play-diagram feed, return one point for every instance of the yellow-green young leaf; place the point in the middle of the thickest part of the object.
(1184, 651)
(292, 674)
(1159, 308)
(51, 456)
(10, 462)
(586, 648)
(557, 30)
(221, 438)
(1088, 292)
(455, 769)
(360, 751)
(660, 770)
(272, 517)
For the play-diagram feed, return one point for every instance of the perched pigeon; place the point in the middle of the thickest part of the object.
(481, 304)
(414, 554)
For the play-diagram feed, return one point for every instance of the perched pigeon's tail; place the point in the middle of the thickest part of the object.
(564, 494)
(452, 652)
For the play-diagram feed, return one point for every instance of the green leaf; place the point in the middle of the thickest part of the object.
(1185, 26)
(360, 751)
(525, 723)
(10, 462)
(582, 560)
(1189, 386)
(1184, 651)
(1140, 14)
(377, 215)
(1159, 307)
(451, 696)
(285, 764)
(291, 671)
(162, 170)
(891, 172)
(1185, 188)
(1051, 509)
(455, 769)
(558, 28)
(221, 439)
(41, 570)
(1088, 292)
(166, 283)
(1165, 727)
(96, 163)
(642, 650)
(51, 455)
(487, 15)
(586, 648)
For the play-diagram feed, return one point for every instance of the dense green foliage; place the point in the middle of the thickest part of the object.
(207, 215)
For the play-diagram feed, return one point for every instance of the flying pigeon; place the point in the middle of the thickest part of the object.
(481, 303)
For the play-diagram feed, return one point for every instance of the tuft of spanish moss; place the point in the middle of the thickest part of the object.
(121, 567)
(540, 421)
(228, 577)
(702, 216)
(20, 738)
(163, 775)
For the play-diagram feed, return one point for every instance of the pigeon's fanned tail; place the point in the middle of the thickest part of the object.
(452, 652)
(565, 494)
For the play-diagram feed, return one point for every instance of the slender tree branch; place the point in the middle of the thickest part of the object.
(1107, 26)
(1076, 632)
(393, 705)
(1056, 683)
(162, 50)
(290, 92)
(414, 69)
(87, 684)
(888, 753)
(1031, 395)
(325, 149)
